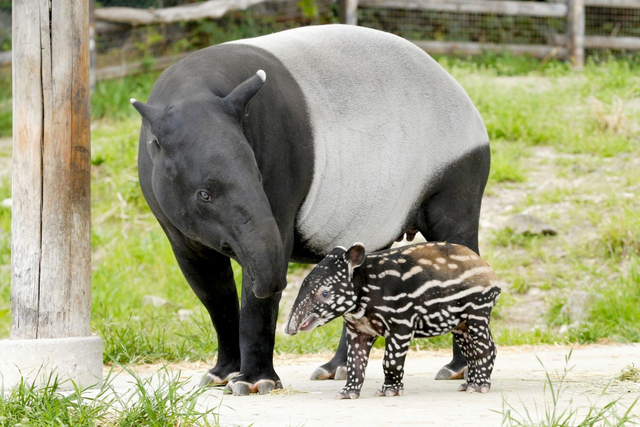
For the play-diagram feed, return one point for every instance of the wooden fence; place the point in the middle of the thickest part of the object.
(570, 45)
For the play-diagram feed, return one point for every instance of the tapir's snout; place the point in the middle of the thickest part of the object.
(309, 323)
(260, 250)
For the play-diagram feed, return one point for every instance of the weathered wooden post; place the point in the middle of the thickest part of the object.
(50, 242)
(348, 12)
(575, 27)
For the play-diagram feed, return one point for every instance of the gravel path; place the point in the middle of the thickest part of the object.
(518, 379)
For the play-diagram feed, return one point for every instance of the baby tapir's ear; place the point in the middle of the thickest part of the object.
(355, 255)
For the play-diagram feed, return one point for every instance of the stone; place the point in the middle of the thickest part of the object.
(578, 305)
(529, 224)
(155, 301)
(7, 203)
(75, 360)
(184, 314)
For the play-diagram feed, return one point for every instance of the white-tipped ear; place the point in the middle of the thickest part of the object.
(355, 255)
(239, 97)
(148, 112)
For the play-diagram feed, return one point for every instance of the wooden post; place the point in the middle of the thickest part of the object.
(575, 28)
(51, 241)
(348, 12)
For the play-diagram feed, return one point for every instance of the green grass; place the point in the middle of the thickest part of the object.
(525, 103)
(163, 399)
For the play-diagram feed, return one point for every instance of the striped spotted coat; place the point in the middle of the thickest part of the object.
(419, 291)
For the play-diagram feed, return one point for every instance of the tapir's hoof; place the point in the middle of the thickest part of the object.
(389, 392)
(347, 395)
(475, 388)
(341, 373)
(321, 374)
(448, 374)
(243, 388)
(211, 380)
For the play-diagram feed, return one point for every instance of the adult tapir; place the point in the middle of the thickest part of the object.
(282, 147)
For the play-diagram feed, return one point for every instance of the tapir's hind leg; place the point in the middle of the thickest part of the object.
(336, 368)
(451, 213)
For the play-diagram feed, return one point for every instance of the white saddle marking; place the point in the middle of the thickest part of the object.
(387, 120)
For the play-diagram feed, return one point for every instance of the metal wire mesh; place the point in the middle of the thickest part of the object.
(463, 27)
(135, 43)
(614, 22)
(5, 25)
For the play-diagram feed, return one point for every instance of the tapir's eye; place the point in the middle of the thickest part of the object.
(325, 294)
(204, 196)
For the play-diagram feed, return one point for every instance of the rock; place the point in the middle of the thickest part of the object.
(7, 203)
(529, 224)
(578, 305)
(566, 328)
(184, 314)
(155, 301)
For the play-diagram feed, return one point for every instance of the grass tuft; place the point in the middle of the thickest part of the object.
(629, 373)
(552, 413)
(163, 399)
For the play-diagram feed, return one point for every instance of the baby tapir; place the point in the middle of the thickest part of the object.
(421, 290)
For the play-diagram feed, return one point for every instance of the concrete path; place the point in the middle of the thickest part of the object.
(518, 379)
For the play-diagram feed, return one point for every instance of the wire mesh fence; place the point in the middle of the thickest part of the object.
(613, 22)
(121, 44)
(463, 27)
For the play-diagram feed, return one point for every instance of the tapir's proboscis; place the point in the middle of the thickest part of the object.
(415, 291)
(281, 147)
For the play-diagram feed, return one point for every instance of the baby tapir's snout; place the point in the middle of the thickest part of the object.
(327, 292)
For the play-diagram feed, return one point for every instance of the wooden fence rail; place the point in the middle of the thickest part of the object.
(511, 8)
(570, 45)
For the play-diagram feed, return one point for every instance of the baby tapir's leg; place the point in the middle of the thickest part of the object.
(358, 349)
(395, 353)
(476, 343)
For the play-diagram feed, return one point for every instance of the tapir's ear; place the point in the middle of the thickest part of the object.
(148, 112)
(355, 255)
(238, 99)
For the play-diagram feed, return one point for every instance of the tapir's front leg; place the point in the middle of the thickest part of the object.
(258, 318)
(395, 353)
(358, 349)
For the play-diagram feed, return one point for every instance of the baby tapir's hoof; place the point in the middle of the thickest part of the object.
(473, 387)
(348, 394)
(390, 391)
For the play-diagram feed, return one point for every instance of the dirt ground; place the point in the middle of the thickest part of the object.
(518, 380)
